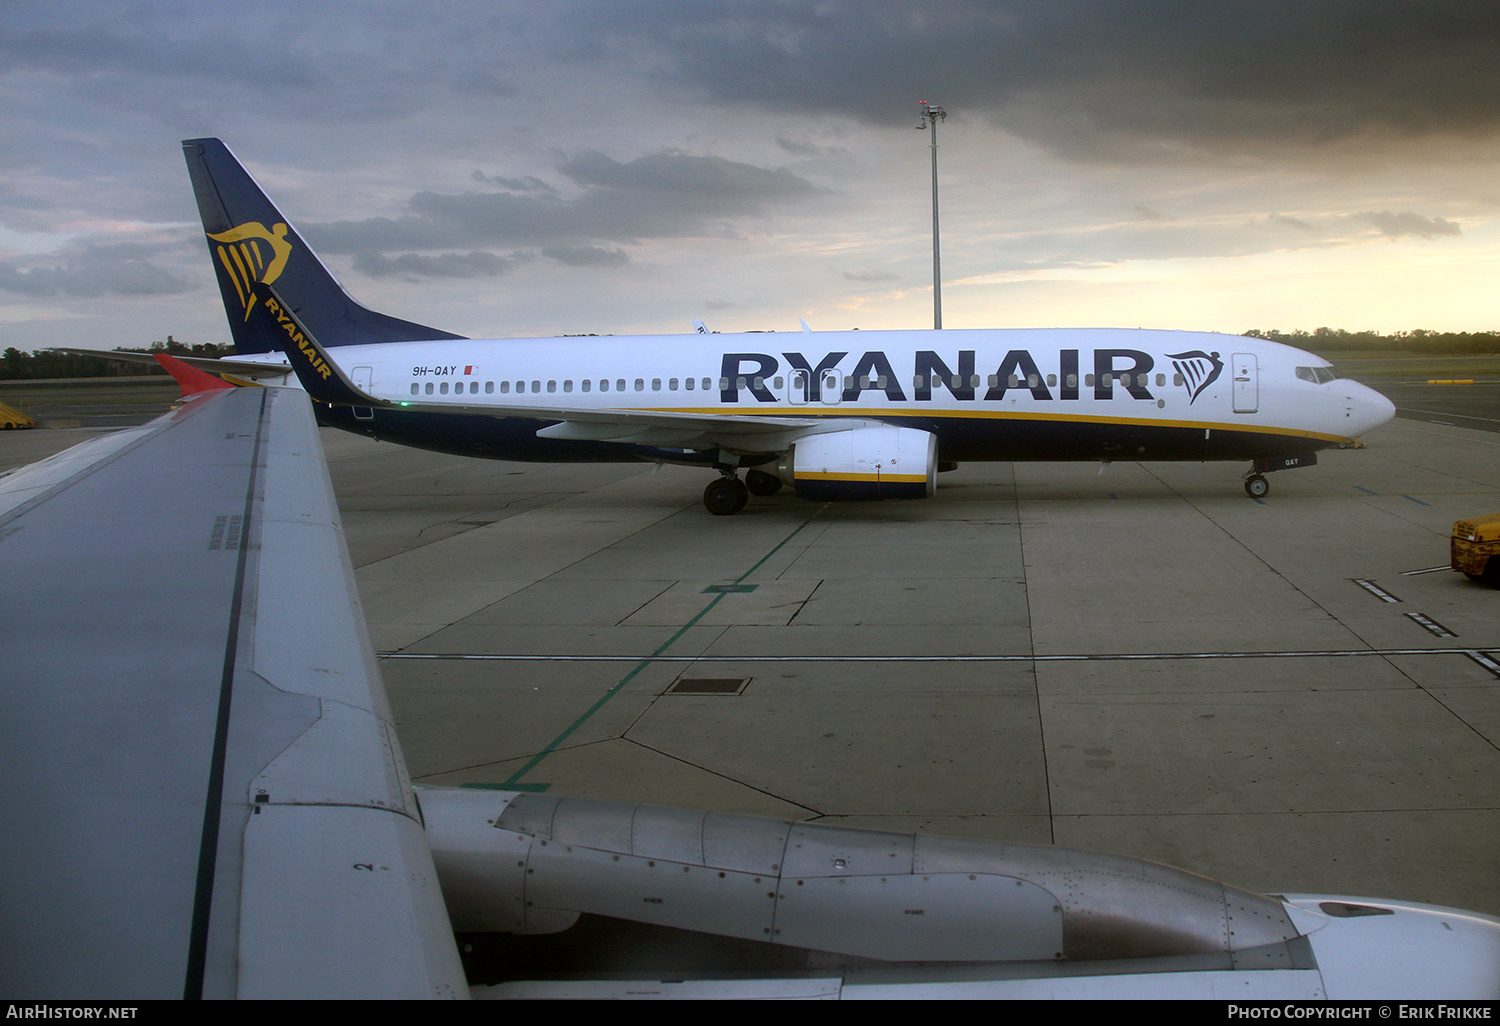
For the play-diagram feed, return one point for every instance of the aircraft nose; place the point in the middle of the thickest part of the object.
(1365, 409)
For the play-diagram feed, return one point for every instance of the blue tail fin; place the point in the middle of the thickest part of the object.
(249, 241)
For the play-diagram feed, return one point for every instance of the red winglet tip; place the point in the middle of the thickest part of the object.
(190, 378)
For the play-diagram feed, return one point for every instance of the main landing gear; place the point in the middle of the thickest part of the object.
(725, 496)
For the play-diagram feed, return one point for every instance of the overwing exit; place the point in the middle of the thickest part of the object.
(835, 415)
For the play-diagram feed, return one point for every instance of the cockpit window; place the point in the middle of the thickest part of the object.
(1317, 375)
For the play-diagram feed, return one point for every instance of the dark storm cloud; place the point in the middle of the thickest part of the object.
(441, 265)
(663, 195)
(712, 184)
(1398, 226)
(587, 256)
(119, 270)
(869, 277)
(528, 184)
(1096, 79)
(1290, 222)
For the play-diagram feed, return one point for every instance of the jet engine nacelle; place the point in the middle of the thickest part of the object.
(863, 460)
(531, 863)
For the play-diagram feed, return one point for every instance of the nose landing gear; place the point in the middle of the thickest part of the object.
(1256, 485)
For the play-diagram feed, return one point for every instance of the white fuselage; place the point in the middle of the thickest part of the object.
(987, 394)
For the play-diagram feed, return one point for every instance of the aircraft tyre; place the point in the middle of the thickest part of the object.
(1257, 487)
(725, 496)
(761, 483)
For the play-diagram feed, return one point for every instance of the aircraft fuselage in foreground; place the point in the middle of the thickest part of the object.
(837, 415)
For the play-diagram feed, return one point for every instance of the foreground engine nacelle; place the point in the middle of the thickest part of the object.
(863, 460)
(531, 863)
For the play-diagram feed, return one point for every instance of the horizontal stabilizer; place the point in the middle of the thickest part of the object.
(192, 380)
(242, 368)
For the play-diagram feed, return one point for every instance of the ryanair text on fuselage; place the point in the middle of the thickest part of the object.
(874, 371)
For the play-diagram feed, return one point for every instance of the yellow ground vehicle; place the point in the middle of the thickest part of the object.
(10, 418)
(1475, 548)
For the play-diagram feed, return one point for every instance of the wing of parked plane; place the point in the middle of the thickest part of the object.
(204, 794)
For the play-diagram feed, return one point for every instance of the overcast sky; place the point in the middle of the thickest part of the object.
(625, 166)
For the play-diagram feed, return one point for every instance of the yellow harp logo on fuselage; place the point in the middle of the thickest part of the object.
(249, 253)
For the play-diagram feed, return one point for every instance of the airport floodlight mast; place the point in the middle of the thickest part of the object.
(933, 113)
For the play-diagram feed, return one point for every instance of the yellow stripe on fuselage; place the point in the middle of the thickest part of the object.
(1069, 418)
(803, 475)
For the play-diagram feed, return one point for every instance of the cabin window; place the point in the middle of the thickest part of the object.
(567, 385)
(1051, 380)
(604, 384)
(536, 386)
(671, 384)
(1073, 381)
(620, 385)
(723, 384)
(429, 388)
(1161, 379)
(552, 386)
(1088, 381)
(489, 388)
(760, 383)
(414, 388)
(1032, 381)
(585, 384)
(656, 384)
(505, 388)
(640, 384)
(1015, 381)
(707, 384)
(777, 384)
(739, 382)
(689, 383)
(443, 388)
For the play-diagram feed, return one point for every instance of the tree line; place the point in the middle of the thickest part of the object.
(46, 363)
(1419, 342)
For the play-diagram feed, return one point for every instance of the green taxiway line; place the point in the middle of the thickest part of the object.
(514, 782)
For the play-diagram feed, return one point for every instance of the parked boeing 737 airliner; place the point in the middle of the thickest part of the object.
(837, 415)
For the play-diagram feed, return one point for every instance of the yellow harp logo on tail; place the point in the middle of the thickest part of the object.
(249, 253)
